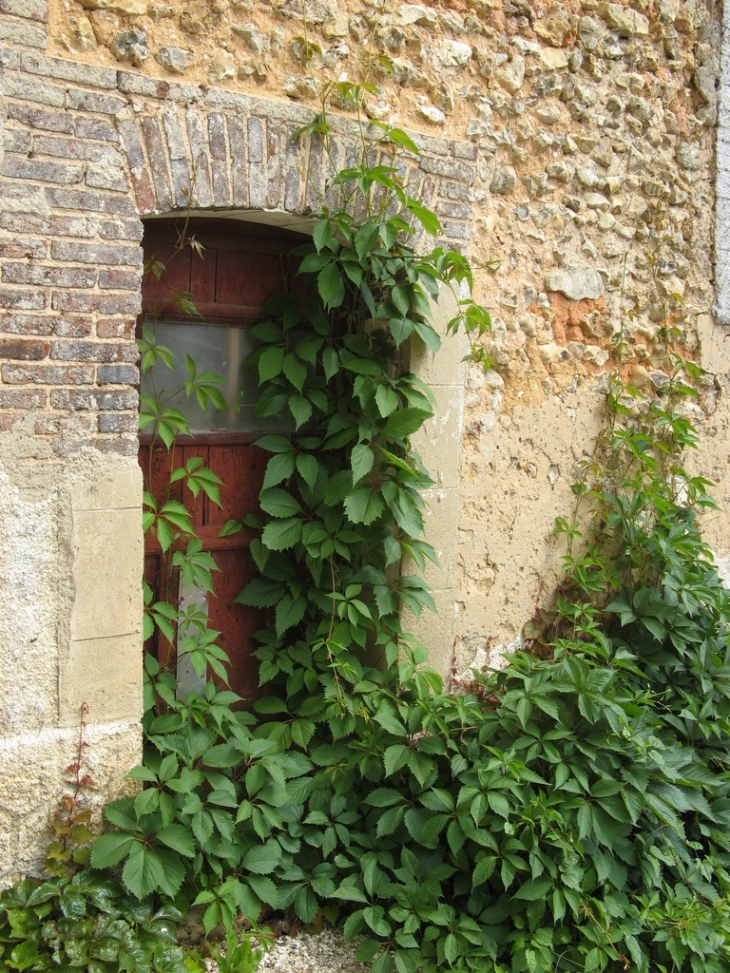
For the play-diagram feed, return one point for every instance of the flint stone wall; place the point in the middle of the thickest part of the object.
(569, 148)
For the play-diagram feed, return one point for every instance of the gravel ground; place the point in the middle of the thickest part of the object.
(325, 952)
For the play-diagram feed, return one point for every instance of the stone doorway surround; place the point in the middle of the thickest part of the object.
(88, 152)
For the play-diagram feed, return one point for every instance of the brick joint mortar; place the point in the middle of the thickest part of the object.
(81, 167)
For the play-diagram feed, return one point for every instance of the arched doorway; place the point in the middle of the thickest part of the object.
(227, 275)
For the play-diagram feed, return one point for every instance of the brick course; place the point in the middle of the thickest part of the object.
(70, 268)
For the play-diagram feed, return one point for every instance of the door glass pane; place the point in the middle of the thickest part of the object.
(213, 348)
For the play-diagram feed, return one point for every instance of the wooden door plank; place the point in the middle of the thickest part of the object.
(242, 470)
(247, 279)
(240, 268)
(236, 623)
(202, 276)
(175, 279)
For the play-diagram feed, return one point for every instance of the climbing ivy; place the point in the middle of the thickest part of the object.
(342, 511)
(570, 812)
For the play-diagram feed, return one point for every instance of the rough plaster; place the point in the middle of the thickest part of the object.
(722, 182)
(583, 135)
(509, 560)
(591, 204)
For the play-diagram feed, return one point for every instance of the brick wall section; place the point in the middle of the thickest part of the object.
(87, 151)
(70, 260)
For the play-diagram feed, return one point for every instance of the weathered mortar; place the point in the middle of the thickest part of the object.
(569, 147)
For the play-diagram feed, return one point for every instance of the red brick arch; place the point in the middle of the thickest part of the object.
(239, 155)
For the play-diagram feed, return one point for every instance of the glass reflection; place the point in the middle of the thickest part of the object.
(214, 348)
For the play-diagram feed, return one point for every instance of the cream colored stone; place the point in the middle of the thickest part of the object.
(554, 59)
(628, 22)
(440, 515)
(512, 74)
(107, 550)
(127, 8)
(80, 36)
(34, 778)
(447, 367)
(439, 440)
(714, 354)
(105, 673)
(120, 490)
(52, 512)
(436, 632)
(29, 569)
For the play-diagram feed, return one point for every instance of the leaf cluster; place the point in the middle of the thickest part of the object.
(572, 812)
(86, 923)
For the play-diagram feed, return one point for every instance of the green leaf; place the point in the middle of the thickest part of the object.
(121, 813)
(330, 362)
(143, 872)
(308, 469)
(306, 905)
(405, 422)
(178, 838)
(330, 285)
(270, 363)
(280, 467)
(400, 138)
(279, 503)
(229, 528)
(387, 400)
(483, 870)
(289, 612)
(279, 535)
(428, 336)
(428, 220)
(534, 889)
(301, 409)
(399, 296)
(314, 262)
(25, 956)
(362, 462)
(273, 443)
(395, 757)
(364, 506)
(261, 593)
(365, 238)
(384, 797)
(262, 860)
(295, 371)
(499, 804)
(321, 234)
(265, 889)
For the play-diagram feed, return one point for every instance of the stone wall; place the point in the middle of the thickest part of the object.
(568, 147)
(591, 207)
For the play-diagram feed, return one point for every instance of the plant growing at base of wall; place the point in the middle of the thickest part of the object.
(81, 918)
(343, 507)
(570, 814)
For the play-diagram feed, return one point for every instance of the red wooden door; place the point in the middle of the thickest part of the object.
(240, 267)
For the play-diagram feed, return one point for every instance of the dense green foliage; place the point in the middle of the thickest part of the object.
(571, 812)
(87, 923)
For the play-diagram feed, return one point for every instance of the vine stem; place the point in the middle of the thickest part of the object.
(330, 657)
